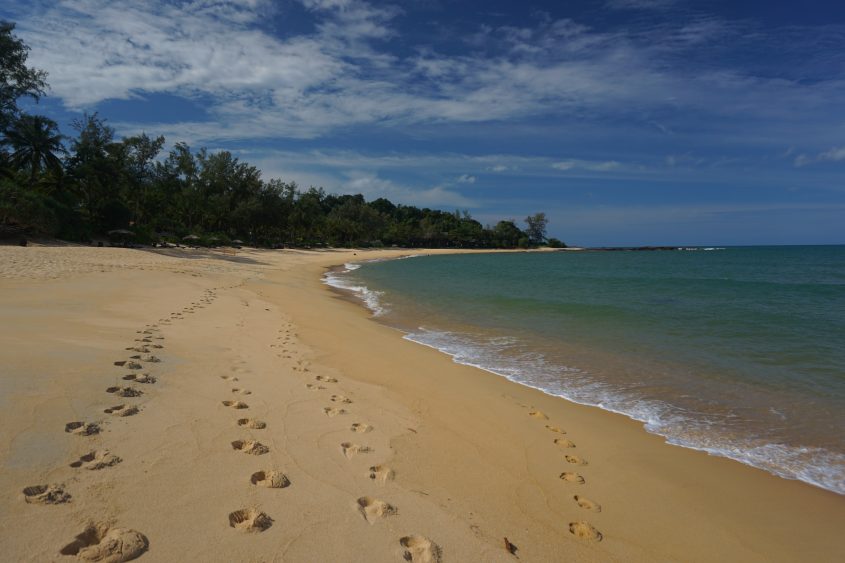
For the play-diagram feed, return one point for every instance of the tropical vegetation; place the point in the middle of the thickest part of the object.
(90, 184)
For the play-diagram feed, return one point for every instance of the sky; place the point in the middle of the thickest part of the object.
(628, 122)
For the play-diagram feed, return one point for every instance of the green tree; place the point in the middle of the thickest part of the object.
(141, 152)
(536, 228)
(96, 173)
(506, 234)
(35, 142)
(16, 79)
(353, 222)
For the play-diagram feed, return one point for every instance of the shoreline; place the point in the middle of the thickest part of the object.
(456, 453)
(751, 482)
(370, 300)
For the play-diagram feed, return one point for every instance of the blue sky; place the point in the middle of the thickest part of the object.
(626, 121)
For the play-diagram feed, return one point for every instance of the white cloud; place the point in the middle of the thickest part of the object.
(596, 166)
(373, 187)
(342, 73)
(834, 154)
(438, 168)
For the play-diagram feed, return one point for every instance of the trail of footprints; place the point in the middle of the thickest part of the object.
(413, 548)
(580, 529)
(252, 520)
(102, 541)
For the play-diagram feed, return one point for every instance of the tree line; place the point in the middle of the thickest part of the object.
(91, 184)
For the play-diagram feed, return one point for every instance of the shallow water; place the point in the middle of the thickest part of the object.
(736, 351)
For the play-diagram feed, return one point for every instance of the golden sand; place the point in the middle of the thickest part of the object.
(134, 382)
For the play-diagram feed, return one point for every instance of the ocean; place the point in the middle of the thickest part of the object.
(736, 351)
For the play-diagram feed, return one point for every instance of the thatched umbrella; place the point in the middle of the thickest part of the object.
(237, 241)
(191, 237)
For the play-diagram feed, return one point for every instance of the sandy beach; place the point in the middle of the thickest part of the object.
(194, 405)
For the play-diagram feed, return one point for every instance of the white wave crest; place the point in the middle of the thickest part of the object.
(372, 299)
(505, 357)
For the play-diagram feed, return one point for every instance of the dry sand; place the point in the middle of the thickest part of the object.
(266, 419)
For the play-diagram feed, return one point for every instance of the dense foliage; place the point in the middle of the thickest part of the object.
(92, 184)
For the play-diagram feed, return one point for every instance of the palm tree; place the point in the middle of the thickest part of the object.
(35, 141)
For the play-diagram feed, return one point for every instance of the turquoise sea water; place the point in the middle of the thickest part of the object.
(736, 351)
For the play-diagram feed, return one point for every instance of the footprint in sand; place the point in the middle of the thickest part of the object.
(381, 473)
(46, 494)
(128, 364)
(99, 542)
(572, 478)
(228, 378)
(374, 509)
(235, 404)
(252, 423)
(141, 349)
(361, 428)
(251, 447)
(575, 460)
(125, 391)
(147, 358)
(586, 503)
(140, 378)
(350, 450)
(250, 520)
(241, 391)
(332, 411)
(271, 479)
(122, 410)
(325, 379)
(420, 549)
(538, 414)
(96, 460)
(564, 443)
(82, 428)
(314, 387)
(555, 429)
(584, 531)
(340, 399)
